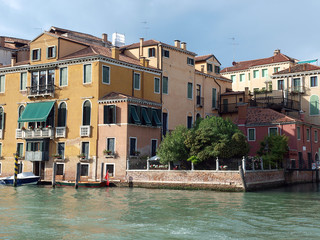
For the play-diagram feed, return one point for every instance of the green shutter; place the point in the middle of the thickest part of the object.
(105, 74)
(145, 116)
(156, 85)
(87, 73)
(314, 105)
(135, 115)
(136, 81)
(214, 98)
(155, 117)
(105, 114)
(189, 90)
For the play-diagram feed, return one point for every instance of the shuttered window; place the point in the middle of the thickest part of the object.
(165, 85)
(214, 98)
(87, 73)
(314, 105)
(190, 90)
(63, 76)
(109, 114)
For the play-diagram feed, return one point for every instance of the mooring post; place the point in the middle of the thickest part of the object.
(128, 164)
(217, 164)
(54, 172)
(77, 175)
(148, 164)
(192, 166)
(253, 165)
(15, 178)
(102, 173)
(261, 162)
(243, 164)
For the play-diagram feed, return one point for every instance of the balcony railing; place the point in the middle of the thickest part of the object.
(297, 89)
(60, 132)
(228, 108)
(40, 90)
(85, 131)
(1, 133)
(34, 133)
(276, 103)
(37, 156)
(200, 101)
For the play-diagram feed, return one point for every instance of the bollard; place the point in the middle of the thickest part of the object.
(148, 164)
(192, 166)
(15, 178)
(253, 165)
(261, 161)
(217, 164)
(54, 172)
(244, 164)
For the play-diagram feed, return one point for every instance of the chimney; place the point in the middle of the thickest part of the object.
(104, 37)
(276, 52)
(301, 114)
(1, 41)
(115, 52)
(246, 93)
(242, 113)
(13, 59)
(177, 43)
(141, 46)
(202, 68)
(234, 63)
(142, 61)
(184, 45)
(147, 63)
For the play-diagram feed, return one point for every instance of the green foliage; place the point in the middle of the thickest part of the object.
(194, 159)
(172, 147)
(215, 137)
(273, 149)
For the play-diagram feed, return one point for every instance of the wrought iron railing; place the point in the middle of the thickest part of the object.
(40, 90)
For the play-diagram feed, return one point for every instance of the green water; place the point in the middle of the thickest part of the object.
(33, 212)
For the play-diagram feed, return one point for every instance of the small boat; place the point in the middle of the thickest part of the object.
(86, 184)
(22, 179)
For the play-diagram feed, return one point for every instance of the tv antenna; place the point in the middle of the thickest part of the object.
(145, 28)
(234, 44)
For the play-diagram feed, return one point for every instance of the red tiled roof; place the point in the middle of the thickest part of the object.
(258, 116)
(304, 67)
(218, 77)
(14, 43)
(257, 62)
(203, 58)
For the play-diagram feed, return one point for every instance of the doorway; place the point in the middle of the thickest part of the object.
(38, 169)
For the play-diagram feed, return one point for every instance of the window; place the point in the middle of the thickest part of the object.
(110, 169)
(165, 53)
(84, 169)
(308, 134)
(2, 83)
(60, 169)
(209, 67)
(105, 75)
(0, 168)
(214, 98)
(255, 73)
(242, 77)
(1, 118)
(134, 114)
(86, 113)
(154, 143)
(190, 61)
(42, 82)
(51, 52)
(199, 100)
(298, 133)
(20, 149)
(0, 149)
(264, 72)
(152, 52)
(314, 105)
(157, 85)
(62, 114)
(276, 69)
(63, 77)
(189, 122)
(164, 123)
(190, 90)
(296, 84)
(249, 76)
(314, 81)
(20, 167)
(85, 149)
(233, 78)
(315, 135)
(86, 73)
(110, 145)
(133, 146)
(35, 54)
(281, 84)
(217, 69)
(109, 114)
(136, 80)
(61, 147)
(273, 131)
(23, 81)
(165, 85)
(20, 111)
(251, 134)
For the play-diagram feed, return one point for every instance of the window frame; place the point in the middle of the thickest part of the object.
(165, 53)
(152, 51)
(114, 144)
(54, 51)
(64, 149)
(188, 85)
(114, 119)
(314, 77)
(82, 146)
(316, 110)
(21, 154)
(87, 164)
(209, 67)
(233, 78)
(308, 134)
(135, 147)
(255, 73)
(254, 135)
(276, 69)
(269, 128)
(84, 75)
(280, 81)
(114, 169)
(2, 76)
(58, 115)
(190, 61)
(242, 75)
(21, 80)
(189, 117)
(60, 76)
(109, 70)
(64, 168)
(134, 81)
(214, 106)
(154, 79)
(83, 112)
(167, 89)
(264, 72)
(156, 140)
(298, 133)
(39, 56)
(316, 136)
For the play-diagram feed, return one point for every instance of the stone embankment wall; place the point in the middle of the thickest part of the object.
(263, 179)
(292, 177)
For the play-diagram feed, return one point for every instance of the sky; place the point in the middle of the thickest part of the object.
(230, 29)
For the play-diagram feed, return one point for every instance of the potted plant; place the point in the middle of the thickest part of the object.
(107, 152)
(58, 156)
(82, 156)
(23, 128)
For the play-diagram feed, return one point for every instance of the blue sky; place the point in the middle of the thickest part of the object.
(258, 27)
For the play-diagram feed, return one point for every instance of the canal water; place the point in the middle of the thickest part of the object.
(40, 212)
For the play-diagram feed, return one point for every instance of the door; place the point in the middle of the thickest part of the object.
(300, 160)
(309, 160)
(38, 169)
(164, 123)
(225, 105)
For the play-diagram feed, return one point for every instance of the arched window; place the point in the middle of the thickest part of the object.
(20, 111)
(62, 114)
(86, 113)
(1, 118)
(316, 157)
(198, 116)
(314, 105)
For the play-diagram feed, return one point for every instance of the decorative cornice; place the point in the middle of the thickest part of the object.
(138, 101)
(296, 74)
(210, 76)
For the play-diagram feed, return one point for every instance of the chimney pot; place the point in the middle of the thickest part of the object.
(13, 59)
(104, 37)
(234, 63)
(141, 46)
(177, 43)
(202, 68)
(276, 52)
(184, 45)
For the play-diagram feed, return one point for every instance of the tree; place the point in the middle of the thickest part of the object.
(172, 147)
(273, 149)
(215, 137)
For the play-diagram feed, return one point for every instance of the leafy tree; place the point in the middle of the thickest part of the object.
(172, 147)
(215, 137)
(273, 149)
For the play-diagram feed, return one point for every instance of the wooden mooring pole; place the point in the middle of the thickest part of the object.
(15, 178)
(54, 172)
(102, 177)
(77, 175)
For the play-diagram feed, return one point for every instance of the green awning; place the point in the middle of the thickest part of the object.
(36, 112)
(146, 116)
(156, 118)
(134, 115)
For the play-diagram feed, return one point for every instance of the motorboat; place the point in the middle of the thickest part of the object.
(22, 179)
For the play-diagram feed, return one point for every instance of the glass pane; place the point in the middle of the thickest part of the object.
(105, 74)
(63, 77)
(110, 146)
(136, 81)
(87, 73)
(60, 169)
(156, 85)
(61, 149)
(190, 90)
(86, 113)
(84, 170)
(165, 85)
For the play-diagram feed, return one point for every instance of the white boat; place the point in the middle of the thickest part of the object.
(22, 179)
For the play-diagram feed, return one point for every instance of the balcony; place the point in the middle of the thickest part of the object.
(200, 101)
(297, 89)
(228, 108)
(85, 131)
(1, 133)
(40, 90)
(60, 132)
(37, 156)
(34, 133)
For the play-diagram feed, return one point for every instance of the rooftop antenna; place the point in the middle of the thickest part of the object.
(234, 48)
(146, 28)
(38, 28)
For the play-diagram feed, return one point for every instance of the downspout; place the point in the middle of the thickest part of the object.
(132, 92)
(159, 50)
(214, 79)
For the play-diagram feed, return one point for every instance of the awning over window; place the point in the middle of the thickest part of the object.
(156, 118)
(36, 112)
(135, 116)
(145, 116)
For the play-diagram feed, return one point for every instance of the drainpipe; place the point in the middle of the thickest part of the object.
(214, 79)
